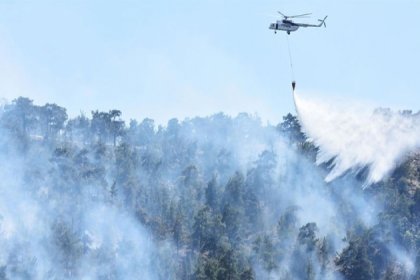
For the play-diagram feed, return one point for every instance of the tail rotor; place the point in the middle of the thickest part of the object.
(322, 21)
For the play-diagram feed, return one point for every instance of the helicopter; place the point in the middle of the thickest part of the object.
(289, 26)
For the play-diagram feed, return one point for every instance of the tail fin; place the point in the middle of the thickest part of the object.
(322, 22)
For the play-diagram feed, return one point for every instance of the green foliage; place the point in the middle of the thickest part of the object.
(307, 236)
(52, 118)
(291, 127)
(354, 262)
(224, 221)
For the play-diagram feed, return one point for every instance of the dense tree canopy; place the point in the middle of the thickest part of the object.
(216, 197)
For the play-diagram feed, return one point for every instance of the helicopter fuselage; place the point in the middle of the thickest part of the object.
(284, 25)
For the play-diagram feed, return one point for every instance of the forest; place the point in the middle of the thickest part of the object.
(217, 197)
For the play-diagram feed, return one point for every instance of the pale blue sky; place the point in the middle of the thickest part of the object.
(164, 59)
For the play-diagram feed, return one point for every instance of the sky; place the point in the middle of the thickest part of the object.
(179, 59)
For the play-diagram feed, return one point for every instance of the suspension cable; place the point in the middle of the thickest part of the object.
(291, 63)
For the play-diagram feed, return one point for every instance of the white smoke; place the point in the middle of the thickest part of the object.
(356, 136)
(46, 235)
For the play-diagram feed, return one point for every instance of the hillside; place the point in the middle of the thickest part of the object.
(218, 197)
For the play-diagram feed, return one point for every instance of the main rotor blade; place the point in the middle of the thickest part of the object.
(303, 15)
(282, 14)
